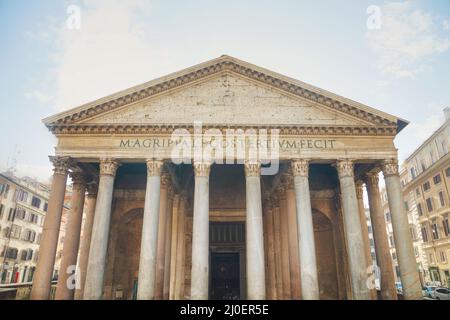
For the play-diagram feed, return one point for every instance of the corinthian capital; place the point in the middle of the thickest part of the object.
(300, 167)
(78, 178)
(60, 164)
(267, 198)
(202, 169)
(108, 167)
(154, 167)
(372, 179)
(390, 167)
(165, 179)
(345, 168)
(183, 196)
(252, 169)
(170, 192)
(281, 191)
(92, 189)
(288, 180)
(274, 200)
(359, 189)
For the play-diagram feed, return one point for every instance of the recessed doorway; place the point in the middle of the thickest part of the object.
(225, 276)
(227, 261)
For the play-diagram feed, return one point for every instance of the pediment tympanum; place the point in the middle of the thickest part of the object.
(225, 92)
(226, 99)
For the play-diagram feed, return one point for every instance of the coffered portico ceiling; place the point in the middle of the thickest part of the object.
(225, 92)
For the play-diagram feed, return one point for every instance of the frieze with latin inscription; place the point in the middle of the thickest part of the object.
(283, 144)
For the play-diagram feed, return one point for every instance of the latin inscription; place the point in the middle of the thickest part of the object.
(283, 144)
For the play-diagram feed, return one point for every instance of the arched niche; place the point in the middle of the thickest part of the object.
(325, 253)
(127, 244)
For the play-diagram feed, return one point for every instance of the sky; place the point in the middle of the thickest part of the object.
(390, 55)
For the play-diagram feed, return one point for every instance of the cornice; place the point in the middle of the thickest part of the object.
(287, 130)
(424, 144)
(431, 171)
(215, 66)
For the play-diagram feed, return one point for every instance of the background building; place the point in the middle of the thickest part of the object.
(221, 203)
(23, 204)
(415, 235)
(426, 181)
(62, 231)
(425, 178)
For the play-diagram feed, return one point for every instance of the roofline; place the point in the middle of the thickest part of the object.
(418, 149)
(427, 173)
(2, 175)
(317, 89)
(120, 93)
(400, 122)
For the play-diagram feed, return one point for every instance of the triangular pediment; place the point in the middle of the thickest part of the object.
(225, 91)
(228, 99)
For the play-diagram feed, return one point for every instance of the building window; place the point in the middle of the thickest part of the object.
(26, 255)
(443, 256)
(434, 230)
(391, 241)
(419, 209)
(406, 205)
(423, 166)
(441, 199)
(444, 147)
(29, 235)
(413, 233)
(15, 231)
(23, 255)
(431, 258)
(424, 232)
(45, 207)
(21, 195)
(394, 256)
(2, 209)
(447, 172)
(437, 179)
(20, 213)
(4, 188)
(446, 226)
(388, 216)
(430, 204)
(12, 214)
(413, 172)
(426, 186)
(36, 202)
(11, 253)
(33, 218)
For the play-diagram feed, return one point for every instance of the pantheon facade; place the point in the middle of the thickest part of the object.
(224, 181)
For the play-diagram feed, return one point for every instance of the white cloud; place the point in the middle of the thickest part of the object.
(407, 36)
(420, 131)
(417, 132)
(39, 96)
(446, 25)
(108, 54)
(42, 173)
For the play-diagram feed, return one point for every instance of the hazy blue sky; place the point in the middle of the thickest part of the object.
(402, 68)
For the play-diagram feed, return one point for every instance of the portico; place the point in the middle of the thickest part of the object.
(184, 211)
